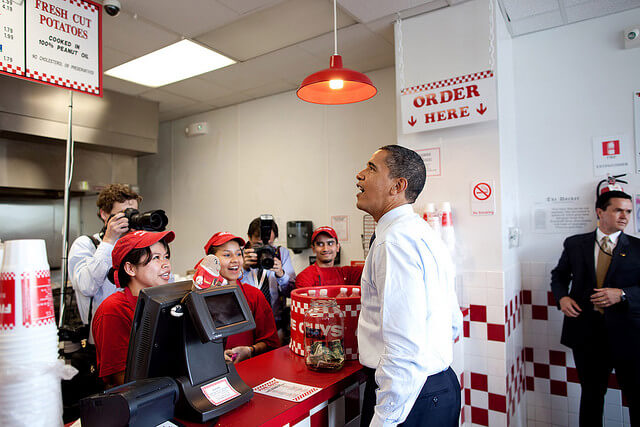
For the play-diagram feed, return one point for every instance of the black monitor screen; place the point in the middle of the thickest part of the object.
(225, 309)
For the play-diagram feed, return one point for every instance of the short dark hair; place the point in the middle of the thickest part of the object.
(254, 228)
(604, 200)
(113, 193)
(405, 163)
(137, 256)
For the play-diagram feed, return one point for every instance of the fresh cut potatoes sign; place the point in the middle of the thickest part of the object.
(451, 102)
(56, 42)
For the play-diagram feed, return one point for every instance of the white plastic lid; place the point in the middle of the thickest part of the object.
(446, 206)
(431, 207)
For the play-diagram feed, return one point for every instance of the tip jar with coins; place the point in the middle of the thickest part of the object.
(323, 335)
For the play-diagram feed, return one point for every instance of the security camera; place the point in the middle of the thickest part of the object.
(632, 34)
(112, 7)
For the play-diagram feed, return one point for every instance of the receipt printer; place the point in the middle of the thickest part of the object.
(147, 402)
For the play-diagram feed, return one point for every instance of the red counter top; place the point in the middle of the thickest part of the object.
(263, 410)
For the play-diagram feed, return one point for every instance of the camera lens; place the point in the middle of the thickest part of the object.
(149, 221)
(266, 263)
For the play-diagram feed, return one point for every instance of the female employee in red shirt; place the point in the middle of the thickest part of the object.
(140, 260)
(228, 249)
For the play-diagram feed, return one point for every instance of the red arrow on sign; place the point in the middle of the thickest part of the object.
(482, 109)
(412, 121)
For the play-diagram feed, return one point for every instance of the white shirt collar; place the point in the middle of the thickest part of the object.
(613, 236)
(390, 216)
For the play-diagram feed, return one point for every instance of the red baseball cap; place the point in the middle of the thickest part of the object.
(327, 230)
(136, 240)
(221, 238)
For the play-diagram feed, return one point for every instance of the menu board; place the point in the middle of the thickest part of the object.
(57, 42)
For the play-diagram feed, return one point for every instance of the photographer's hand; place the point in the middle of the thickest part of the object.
(277, 267)
(117, 226)
(250, 259)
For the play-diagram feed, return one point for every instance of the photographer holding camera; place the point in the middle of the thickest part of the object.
(90, 256)
(269, 268)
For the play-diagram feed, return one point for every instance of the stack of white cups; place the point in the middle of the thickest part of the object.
(30, 392)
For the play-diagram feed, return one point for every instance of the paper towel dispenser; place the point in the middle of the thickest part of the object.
(299, 235)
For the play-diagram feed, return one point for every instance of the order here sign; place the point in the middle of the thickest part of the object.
(451, 102)
(57, 42)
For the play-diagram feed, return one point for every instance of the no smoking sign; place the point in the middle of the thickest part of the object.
(483, 202)
(482, 191)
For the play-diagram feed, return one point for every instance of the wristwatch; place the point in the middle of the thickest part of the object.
(623, 296)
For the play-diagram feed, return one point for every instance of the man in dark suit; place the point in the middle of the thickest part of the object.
(597, 286)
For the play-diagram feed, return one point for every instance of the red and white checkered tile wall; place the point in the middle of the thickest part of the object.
(553, 391)
(516, 372)
(485, 342)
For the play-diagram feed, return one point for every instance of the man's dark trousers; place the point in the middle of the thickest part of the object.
(438, 403)
(595, 364)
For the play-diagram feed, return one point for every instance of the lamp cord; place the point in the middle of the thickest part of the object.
(492, 36)
(400, 56)
(335, 28)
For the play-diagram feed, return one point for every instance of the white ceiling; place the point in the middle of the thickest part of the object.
(528, 16)
(279, 42)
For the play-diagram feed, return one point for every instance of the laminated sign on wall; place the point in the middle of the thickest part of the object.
(57, 42)
(483, 199)
(611, 155)
(451, 102)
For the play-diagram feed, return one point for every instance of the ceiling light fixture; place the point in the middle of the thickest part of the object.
(170, 64)
(336, 85)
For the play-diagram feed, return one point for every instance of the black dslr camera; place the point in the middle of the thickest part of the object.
(148, 221)
(265, 252)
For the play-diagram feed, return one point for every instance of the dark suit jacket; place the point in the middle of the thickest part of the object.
(575, 276)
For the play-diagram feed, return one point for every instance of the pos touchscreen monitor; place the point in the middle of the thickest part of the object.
(179, 332)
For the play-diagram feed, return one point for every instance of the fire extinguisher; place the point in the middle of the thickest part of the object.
(612, 182)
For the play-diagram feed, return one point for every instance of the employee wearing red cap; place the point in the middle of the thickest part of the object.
(140, 260)
(325, 246)
(228, 248)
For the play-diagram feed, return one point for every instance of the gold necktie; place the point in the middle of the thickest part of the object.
(604, 260)
(602, 266)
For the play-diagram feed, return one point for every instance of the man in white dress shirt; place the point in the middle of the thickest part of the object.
(410, 315)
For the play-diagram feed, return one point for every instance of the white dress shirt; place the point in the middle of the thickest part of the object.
(410, 314)
(88, 268)
(613, 237)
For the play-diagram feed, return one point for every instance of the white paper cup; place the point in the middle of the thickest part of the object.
(25, 286)
(28, 253)
(28, 338)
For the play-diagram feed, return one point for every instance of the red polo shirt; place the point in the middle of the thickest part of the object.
(328, 276)
(265, 330)
(111, 330)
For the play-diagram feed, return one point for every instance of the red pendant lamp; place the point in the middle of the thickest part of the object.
(336, 84)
